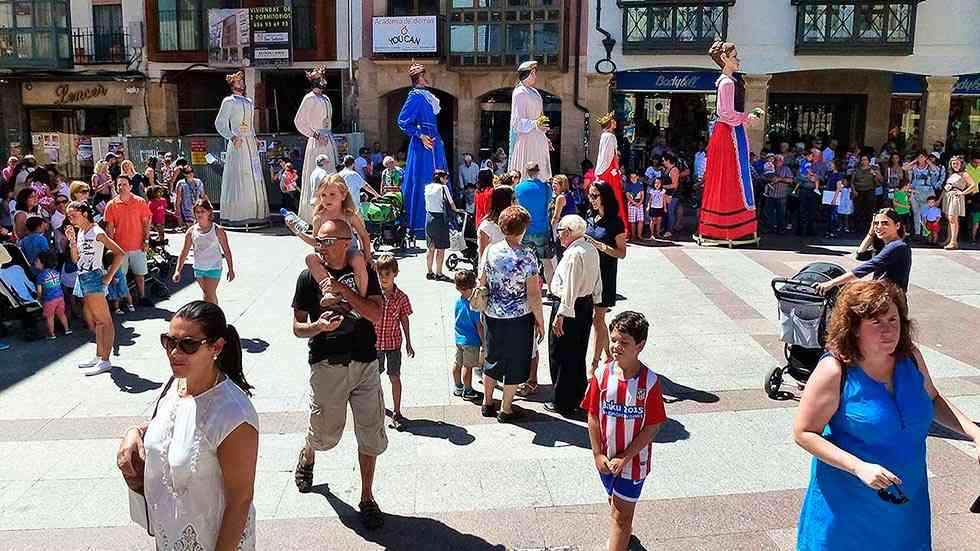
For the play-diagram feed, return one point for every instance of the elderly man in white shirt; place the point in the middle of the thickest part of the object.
(578, 285)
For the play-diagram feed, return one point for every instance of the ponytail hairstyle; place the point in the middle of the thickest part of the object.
(86, 209)
(214, 326)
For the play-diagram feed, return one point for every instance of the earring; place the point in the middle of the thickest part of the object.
(215, 357)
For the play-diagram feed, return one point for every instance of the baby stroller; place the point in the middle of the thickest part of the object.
(463, 244)
(803, 314)
(160, 265)
(384, 218)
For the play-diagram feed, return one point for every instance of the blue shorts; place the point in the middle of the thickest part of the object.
(118, 287)
(207, 274)
(89, 283)
(624, 489)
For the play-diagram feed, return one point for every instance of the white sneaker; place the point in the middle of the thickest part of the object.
(90, 363)
(102, 367)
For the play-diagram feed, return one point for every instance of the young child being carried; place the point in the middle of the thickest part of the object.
(626, 410)
(394, 321)
(333, 202)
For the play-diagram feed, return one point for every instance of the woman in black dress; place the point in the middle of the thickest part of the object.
(607, 232)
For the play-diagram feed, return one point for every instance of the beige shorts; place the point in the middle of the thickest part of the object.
(332, 387)
(467, 356)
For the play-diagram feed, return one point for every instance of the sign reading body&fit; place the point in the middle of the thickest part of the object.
(404, 35)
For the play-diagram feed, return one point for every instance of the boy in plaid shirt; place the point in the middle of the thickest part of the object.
(394, 320)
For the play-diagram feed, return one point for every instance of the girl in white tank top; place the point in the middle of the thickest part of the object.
(210, 244)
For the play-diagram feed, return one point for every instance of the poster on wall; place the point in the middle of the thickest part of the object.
(117, 147)
(261, 145)
(229, 40)
(199, 151)
(36, 139)
(83, 145)
(271, 41)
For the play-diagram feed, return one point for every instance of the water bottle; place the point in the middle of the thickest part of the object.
(296, 224)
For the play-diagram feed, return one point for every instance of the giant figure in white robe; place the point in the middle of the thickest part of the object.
(528, 128)
(243, 196)
(313, 120)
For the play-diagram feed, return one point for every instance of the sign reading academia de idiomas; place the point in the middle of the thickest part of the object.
(246, 37)
(271, 40)
(404, 35)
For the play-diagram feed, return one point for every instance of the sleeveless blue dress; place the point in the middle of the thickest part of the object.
(841, 513)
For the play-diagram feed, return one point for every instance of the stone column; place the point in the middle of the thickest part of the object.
(939, 92)
(757, 95)
(370, 104)
(467, 129)
(256, 90)
(597, 97)
(161, 100)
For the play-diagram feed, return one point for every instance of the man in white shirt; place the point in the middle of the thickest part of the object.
(578, 285)
(362, 164)
(355, 182)
(469, 172)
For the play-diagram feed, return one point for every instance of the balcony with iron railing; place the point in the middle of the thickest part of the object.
(673, 26)
(855, 27)
(30, 48)
(100, 46)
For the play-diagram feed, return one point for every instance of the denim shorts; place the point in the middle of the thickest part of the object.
(89, 283)
(207, 274)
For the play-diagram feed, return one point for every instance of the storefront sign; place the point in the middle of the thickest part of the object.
(968, 85)
(199, 151)
(908, 85)
(666, 81)
(397, 35)
(229, 43)
(270, 35)
(67, 94)
(80, 93)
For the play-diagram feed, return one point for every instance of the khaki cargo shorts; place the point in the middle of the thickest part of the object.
(332, 387)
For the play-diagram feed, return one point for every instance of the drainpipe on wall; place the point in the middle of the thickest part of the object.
(576, 99)
(350, 65)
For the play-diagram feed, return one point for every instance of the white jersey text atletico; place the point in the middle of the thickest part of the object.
(624, 408)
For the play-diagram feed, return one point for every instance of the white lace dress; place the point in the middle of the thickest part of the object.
(184, 489)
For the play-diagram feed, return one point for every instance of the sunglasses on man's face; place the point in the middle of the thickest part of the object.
(187, 345)
(897, 498)
(329, 240)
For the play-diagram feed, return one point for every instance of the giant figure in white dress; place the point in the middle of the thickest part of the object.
(528, 125)
(313, 120)
(243, 196)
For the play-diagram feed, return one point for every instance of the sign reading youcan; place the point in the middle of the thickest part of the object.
(270, 35)
(404, 35)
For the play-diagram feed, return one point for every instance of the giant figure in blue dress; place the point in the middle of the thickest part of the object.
(426, 152)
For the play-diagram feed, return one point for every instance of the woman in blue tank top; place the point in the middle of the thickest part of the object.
(865, 415)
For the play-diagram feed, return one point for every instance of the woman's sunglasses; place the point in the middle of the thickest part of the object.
(897, 498)
(187, 345)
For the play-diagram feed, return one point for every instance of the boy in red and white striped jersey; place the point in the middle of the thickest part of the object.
(626, 409)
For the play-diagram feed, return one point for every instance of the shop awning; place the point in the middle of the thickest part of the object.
(904, 84)
(666, 81)
(968, 85)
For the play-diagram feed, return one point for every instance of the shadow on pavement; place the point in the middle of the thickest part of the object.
(132, 383)
(679, 393)
(255, 346)
(428, 428)
(939, 431)
(671, 431)
(402, 532)
(553, 431)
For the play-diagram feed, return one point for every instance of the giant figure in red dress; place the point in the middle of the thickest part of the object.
(728, 213)
(607, 162)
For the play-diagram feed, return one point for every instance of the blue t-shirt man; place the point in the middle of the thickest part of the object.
(467, 321)
(535, 196)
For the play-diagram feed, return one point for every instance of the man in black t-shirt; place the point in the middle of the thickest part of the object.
(343, 365)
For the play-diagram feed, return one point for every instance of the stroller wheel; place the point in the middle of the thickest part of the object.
(774, 380)
(452, 262)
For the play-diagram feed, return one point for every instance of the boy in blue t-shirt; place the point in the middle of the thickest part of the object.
(35, 242)
(50, 293)
(469, 338)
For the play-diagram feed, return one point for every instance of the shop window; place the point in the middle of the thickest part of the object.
(856, 27)
(404, 8)
(304, 16)
(504, 32)
(667, 27)
(34, 34)
(964, 123)
(904, 119)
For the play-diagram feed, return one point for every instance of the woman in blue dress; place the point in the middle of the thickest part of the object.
(864, 416)
(426, 152)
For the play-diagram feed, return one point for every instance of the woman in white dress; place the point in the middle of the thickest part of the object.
(243, 196)
(528, 133)
(201, 445)
(314, 120)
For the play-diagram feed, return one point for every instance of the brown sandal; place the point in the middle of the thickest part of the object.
(304, 475)
(526, 389)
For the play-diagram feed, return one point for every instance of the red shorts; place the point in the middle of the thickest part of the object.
(933, 227)
(54, 307)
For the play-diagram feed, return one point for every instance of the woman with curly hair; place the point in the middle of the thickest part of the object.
(864, 416)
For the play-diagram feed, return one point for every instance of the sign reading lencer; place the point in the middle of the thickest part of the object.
(404, 35)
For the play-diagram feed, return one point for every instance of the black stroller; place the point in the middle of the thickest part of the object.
(463, 243)
(803, 314)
